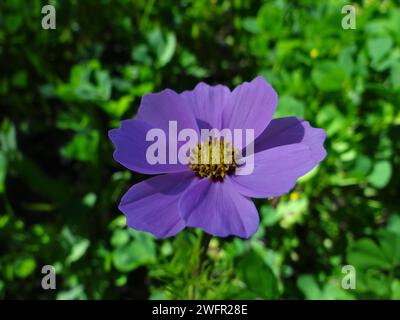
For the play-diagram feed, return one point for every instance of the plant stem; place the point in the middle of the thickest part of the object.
(205, 242)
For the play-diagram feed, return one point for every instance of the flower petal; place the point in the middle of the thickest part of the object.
(131, 146)
(158, 109)
(152, 205)
(218, 209)
(276, 170)
(252, 105)
(207, 103)
(291, 130)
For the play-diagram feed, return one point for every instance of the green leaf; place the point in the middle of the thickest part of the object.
(329, 76)
(310, 288)
(140, 251)
(257, 275)
(13, 22)
(20, 79)
(8, 140)
(163, 45)
(78, 250)
(395, 75)
(140, 53)
(371, 280)
(250, 24)
(289, 106)
(83, 146)
(269, 215)
(390, 245)
(365, 253)
(119, 237)
(395, 289)
(118, 107)
(378, 48)
(362, 166)
(330, 118)
(394, 223)
(168, 51)
(381, 174)
(88, 82)
(89, 199)
(25, 267)
(333, 291)
(72, 294)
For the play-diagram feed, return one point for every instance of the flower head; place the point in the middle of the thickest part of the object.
(208, 191)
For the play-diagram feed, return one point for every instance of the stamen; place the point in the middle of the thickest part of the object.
(213, 159)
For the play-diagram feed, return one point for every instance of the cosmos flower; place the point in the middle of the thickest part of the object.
(195, 195)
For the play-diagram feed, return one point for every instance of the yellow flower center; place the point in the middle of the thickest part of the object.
(213, 159)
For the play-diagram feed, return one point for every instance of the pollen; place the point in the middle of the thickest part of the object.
(213, 159)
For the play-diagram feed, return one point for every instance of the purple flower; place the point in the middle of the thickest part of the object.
(182, 196)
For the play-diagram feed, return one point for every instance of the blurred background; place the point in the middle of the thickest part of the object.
(61, 91)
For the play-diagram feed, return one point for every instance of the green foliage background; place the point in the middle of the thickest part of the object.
(62, 90)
